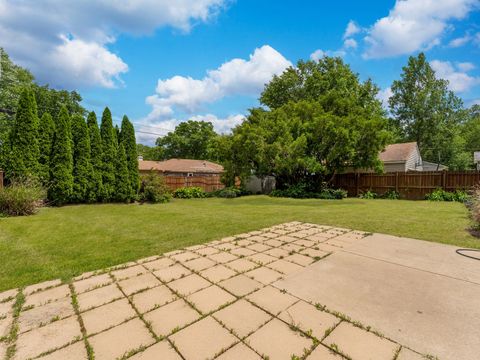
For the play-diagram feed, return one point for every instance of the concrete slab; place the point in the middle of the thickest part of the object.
(417, 308)
(162, 350)
(76, 351)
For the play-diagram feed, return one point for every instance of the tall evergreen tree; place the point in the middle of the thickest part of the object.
(123, 190)
(96, 157)
(61, 162)
(109, 155)
(46, 132)
(82, 168)
(127, 139)
(24, 149)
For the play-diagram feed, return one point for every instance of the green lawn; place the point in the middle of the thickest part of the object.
(63, 242)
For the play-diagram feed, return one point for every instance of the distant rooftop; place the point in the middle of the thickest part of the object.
(180, 166)
(398, 152)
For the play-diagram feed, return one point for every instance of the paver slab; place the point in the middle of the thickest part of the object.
(323, 353)
(106, 316)
(406, 354)
(92, 283)
(241, 265)
(9, 294)
(203, 340)
(264, 275)
(277, 341)
(272, 300)
(223, 257)
(199, 264)
(218, 273)
(172, 272)
(98, 297)
(239, 352)
(138, 283)
(129, 272)
(240, 285)
(41, 286)
(242, 317)
(152, 298)
(210, 299)
(285, 267)
(5, 325)
(189, 284)
(171, 316)
(116, 342)
(307, 318)
(159, 264)
(360, 344)
(160, 351)
(76, 351)
(49, 337)
(45, 296)
(42, 315)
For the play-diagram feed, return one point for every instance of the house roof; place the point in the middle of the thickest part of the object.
(398, 152)
(181, 166)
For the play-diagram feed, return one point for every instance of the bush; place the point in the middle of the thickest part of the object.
(193, 192)
(21, 197)
(442, 195)
(391, 195)
(368, 195)
(229, 192)
(153, 189)
(300, 191)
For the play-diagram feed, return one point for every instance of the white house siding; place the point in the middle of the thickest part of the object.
(414, 161)
(394, 167)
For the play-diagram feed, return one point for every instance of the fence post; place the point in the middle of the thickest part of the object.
(396, 183)
(444, 180)
(357, 183)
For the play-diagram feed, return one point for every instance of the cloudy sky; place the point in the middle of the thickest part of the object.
(162, 61)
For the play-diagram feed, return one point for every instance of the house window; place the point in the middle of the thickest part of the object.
(189, 174)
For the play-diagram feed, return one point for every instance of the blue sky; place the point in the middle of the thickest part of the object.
(162, 62)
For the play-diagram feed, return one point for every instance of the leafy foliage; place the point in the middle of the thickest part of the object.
(21, 197)
(301, 191)
(189, 140)
(154, 153)
(96, 157)
(425, 111)
(123, 189)
(46, 132)
(82, 168)
(192, 192)
(369, 194)
(154, 189)
(442, 195)
(109, 155)
(61, 165)
(127, 139)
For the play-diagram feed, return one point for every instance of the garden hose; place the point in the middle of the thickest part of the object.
(463, 251)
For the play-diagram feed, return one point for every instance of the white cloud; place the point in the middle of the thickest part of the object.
(147, 132)
(235, 77)
(43, 35)
(383, 95)
(467, 38)
(318, 54)
(466, 66)
(352, 29)
(350, 44)
(414, 25)
(457, 76)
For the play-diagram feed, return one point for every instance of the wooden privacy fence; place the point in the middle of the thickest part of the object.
(410, 185)
(207, 183)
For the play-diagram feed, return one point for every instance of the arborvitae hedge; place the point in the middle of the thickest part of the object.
(61, 162)
(123, 191)
(24, 150)
(96, 157)
(109, 157)
(46, 132)
(82, 168)
(127, 139)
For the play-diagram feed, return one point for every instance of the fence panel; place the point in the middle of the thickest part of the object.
(207, 183)
(410, 185)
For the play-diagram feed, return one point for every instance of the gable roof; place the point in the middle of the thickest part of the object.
(181, 166)
(398, 152)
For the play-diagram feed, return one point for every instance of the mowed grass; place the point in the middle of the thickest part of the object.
(65, 242)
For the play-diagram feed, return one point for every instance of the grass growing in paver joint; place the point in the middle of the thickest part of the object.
(65, 242)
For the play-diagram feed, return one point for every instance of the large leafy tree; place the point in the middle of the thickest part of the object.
(96, 156)
(109, 155)
(426, 111)
(46, 133)
(154, 153)
(23, 144)
(61, 163)
(82, 168)
(471, 130)
(127, 139)
(189, 140)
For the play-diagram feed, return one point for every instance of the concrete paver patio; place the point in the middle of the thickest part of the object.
(292, 291)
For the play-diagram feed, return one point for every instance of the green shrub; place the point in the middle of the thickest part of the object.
(391, 195)
(229, 192)
(154, 189)
(300, 191)
(368, 195)
(192, 192)
(21, 197)
(442, 195)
